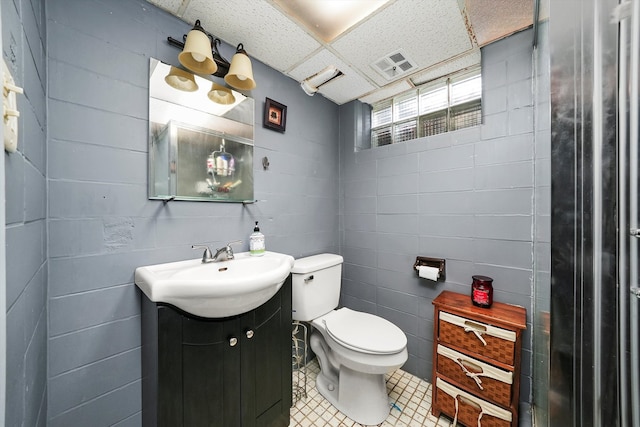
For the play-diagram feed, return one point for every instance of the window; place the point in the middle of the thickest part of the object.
(448, 105)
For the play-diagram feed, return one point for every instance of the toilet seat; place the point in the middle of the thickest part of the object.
(364, 332)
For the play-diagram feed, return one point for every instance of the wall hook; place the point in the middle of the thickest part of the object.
(265, 163)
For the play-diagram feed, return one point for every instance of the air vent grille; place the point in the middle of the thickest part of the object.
(394, 65)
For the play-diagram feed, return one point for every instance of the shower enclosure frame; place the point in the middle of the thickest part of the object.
(593, 342)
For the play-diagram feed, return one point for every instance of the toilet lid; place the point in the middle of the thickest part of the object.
(365, 332)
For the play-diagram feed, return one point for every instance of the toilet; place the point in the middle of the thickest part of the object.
(355, 349)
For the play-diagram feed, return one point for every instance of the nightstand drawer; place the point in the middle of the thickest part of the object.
(469, 409)
(486, 381)
(477, 337)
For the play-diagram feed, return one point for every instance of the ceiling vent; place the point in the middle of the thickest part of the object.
(394, 65)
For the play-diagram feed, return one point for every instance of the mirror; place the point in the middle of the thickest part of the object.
(200, 138)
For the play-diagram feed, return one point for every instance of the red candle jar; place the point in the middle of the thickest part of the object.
(482, 291)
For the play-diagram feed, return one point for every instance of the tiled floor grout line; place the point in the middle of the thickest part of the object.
(410, 407)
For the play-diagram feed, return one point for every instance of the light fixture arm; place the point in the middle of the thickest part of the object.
(198, 27)
(223, 64)
(240, 49)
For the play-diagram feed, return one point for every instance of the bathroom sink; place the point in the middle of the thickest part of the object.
(216, 289)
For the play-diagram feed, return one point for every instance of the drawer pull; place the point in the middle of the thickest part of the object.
(470, 403)
(471, 370)
(477, 329)
(474, 325)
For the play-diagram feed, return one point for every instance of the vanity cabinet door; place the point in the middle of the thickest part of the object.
(191, 372)
(266, 362)
(211, 391)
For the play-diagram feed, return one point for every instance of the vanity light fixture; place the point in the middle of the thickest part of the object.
(221, 94)
(197, 54)
(200, 54)
(310, 85)
(181, 80)
(240, 74)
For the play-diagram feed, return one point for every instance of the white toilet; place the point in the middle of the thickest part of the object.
(355, 349)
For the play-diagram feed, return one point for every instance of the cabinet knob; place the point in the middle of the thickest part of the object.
(249, 334)
(233, 341)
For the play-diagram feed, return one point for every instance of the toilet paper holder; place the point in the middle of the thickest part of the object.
(438, 263)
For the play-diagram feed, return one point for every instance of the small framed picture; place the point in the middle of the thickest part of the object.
(275, 115)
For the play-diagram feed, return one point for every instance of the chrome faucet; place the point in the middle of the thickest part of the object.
(224, 253)
(206, 256)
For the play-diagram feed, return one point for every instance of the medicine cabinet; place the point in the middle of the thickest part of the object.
(198, 149)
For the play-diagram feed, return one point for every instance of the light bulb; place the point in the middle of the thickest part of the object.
(198, 56)
(241, 77)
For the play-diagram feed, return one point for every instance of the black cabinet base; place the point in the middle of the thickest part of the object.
(230, 372)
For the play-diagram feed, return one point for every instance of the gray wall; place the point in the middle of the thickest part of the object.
(466, 196)
(101, 225)
(23, 35)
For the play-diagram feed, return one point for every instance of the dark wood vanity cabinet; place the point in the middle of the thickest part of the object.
(228, 372)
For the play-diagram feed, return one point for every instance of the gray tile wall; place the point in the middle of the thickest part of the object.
(466, 196)
(98, 94)
(24, 44)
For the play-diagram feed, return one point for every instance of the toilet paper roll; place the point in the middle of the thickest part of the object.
(430, 273)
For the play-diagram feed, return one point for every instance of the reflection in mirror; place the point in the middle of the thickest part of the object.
(200, 138)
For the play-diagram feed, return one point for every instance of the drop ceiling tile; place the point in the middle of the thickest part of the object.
(490, 26)
(340, 90)
(428, 31)
(387, 92)
(450, 66)
(274, 39)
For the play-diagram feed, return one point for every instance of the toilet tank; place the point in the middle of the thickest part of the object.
(316, 285)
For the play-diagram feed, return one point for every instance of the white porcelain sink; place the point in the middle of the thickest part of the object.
(216, 289)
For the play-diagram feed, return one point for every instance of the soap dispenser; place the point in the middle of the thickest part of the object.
(256, 242)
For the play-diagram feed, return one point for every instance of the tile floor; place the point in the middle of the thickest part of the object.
(411, 408)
